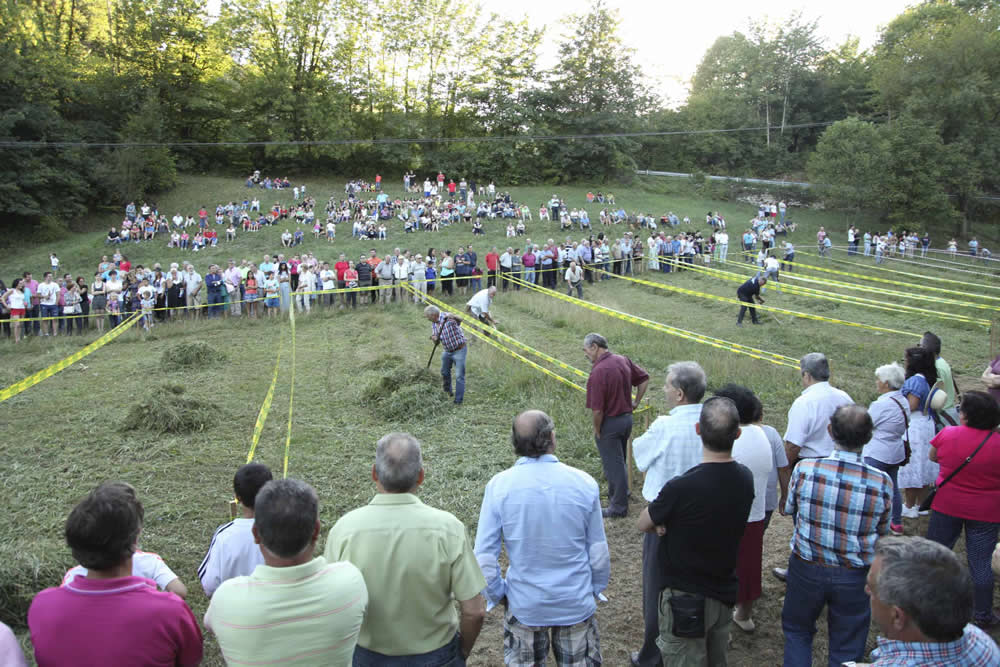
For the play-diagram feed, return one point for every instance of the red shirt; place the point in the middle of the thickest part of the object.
(340, 267)
(202, 213)
(124, 267)
(492, 259)
(974, 493)
(609, 387)
(378, 178)
(451, 187)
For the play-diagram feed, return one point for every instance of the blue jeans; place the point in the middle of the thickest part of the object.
(810, 588)
(456, 358)
(529, 274)
(980, 538)
(449, 655)
(897, 499)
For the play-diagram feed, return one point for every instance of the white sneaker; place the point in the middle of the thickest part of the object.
(910, 512)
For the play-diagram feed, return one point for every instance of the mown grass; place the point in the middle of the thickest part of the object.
(361, 374)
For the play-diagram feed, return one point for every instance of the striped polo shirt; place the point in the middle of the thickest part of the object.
(308, 614)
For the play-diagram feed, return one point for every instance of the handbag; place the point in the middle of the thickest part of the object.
(906, 432)
(929, 500)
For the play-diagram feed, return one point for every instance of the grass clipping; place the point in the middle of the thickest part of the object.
(168, 410)
(190, 356)
(402, 391)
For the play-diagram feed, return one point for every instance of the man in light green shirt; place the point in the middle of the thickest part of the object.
(932, 343)
(416, 560)
(294, 609)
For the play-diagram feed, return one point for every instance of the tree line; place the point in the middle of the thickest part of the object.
(275, 85)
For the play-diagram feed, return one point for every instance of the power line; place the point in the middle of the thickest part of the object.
(33, 145)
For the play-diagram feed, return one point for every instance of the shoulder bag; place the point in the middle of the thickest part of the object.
(906, 432)
(929, 500)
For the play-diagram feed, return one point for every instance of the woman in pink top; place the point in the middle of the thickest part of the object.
(971, 499)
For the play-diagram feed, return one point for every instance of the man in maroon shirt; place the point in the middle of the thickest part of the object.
(609, 397)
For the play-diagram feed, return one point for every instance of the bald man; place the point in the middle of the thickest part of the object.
(550, 592)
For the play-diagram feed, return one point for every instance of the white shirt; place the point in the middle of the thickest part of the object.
(328, 276)
(670, 447)
(889, 424)
(753, 450)
(144, 564)
(232, 553)
(574, 275)
(480, 303)
(780, 459)
(191, 281)
(49, 293)
(401, 269)
(772, 263)
(810, 415)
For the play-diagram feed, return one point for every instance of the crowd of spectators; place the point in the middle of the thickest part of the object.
(715, 474)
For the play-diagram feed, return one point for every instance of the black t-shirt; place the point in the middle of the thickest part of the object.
(704, 511)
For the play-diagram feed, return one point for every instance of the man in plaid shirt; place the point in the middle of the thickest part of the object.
(921, 598)
(841, 506)
(446, 328)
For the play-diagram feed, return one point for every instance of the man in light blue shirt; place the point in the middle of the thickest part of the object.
(669, 448)
(549, 516)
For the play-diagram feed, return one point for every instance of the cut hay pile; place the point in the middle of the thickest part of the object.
(167, 410)
(190, 356)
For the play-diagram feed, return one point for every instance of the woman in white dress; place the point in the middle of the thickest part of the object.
(917, 476)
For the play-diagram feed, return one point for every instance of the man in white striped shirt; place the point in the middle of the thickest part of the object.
(233, 551)
(669, 448)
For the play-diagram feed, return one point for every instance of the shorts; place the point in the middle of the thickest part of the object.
(17, 312)
(272, 302)
(50, 311)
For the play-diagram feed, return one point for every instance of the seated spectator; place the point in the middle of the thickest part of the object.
(233, 551)
(921, 599)
(295, 609)
(145, 564)
(111, 616)
(11, 654)
(416, 561)
(552, 584)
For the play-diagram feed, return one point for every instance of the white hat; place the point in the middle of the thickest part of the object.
(938, 398)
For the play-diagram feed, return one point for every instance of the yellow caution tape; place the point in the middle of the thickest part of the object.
(265, 407)
(513, 341)
(896, 282)
(32, 380)
(845, 298)
(763, 355)
(795, 313)
(291, 396)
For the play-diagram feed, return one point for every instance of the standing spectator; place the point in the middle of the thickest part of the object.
(151, 627)
(948, 413)
(921, 598)
(48, 293)
(192, 289)
(446, 328)
(700, 517)
(841, 507)
(968, 494)
(295, 609)
(492, 267)
(233, 551)
(807, 435)
(609, 398)
(410, 552)
(889, 447)
(917, 476)
(753, 450)
(667, 450)
(551, 585)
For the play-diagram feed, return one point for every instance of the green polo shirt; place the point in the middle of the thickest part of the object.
(309, 614)
(416, 561)
(947, 384)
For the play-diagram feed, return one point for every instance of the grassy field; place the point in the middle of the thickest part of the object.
(360, 374)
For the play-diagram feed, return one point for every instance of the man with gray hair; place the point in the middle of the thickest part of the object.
(609, 397)
(921, 598)
(841, 507)
(295, 608)
(551, 585)
(417, 561)
(669, 448)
